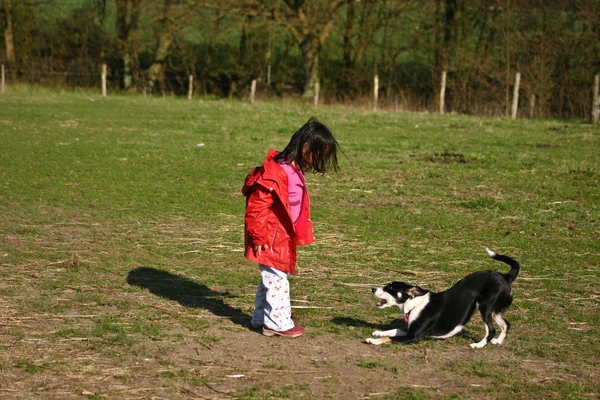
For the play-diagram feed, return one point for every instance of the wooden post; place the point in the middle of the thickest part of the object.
(269, 57)
(252, 91)
(531, 105)
(443, 93)
(316, 94)
(596, 100)
(190, 86)
(515, 104)
(2, 80)
(375, 92)
(103, 80)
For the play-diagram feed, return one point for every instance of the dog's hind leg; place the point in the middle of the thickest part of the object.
(490, 331)
(504, 325)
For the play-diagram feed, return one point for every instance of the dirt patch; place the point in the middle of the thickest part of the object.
(447, 158)
(75, 325)
(227, 360)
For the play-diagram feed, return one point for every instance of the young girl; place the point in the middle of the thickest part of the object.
(278, 219)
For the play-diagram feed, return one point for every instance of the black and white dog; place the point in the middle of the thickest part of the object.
(444, 314)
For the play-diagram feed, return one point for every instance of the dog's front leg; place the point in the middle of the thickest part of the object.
(379, 341)
(390, 333)
(385, 336)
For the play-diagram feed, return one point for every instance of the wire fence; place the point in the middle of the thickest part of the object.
(256, 89)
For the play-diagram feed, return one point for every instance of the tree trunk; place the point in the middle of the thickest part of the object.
(156, 72)
(310, 23)
(128, 12)
(9, 40)
(348, 32)
(310, 61)
(449, 31)
(245, 42)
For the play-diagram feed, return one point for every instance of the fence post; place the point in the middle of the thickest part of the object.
(252, 91)
(316, 94)
(443, 93)
(190, 86)
(515, 103)
(375, 92)
(103, 80)
(531, 105)
(2, 83)
(596, 100)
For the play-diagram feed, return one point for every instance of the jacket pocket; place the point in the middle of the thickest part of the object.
(272, 244)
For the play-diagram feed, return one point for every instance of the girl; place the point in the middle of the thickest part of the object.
(278, 219)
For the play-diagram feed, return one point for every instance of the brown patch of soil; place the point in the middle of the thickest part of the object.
(447, 158)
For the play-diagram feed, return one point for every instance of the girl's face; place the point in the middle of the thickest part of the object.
(308, 158)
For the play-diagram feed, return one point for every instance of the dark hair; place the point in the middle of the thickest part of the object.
(321, 145)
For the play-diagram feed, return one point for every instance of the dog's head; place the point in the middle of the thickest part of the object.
(396, 293)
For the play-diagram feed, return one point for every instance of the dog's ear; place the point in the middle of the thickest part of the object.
(416, 291)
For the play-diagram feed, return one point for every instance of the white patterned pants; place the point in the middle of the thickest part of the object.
(272, 305)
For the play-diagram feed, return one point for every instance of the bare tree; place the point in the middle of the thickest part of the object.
(309, 23)
(9, 38)
(127, 21)
(165, 39)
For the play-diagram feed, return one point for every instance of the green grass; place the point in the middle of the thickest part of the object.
(121, 224)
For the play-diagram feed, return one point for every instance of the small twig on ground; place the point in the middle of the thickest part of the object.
(190, 392)
(204, 345)
(17, 326)
(215, 390)
(404, 272)
(359, 284)
(539, 278)
(287, 371)
(325, 308)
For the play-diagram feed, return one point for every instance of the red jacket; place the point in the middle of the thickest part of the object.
(268, 219)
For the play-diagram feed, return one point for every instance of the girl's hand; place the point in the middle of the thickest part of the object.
(258, 248)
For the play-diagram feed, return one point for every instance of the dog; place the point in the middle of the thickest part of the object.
(444, 314)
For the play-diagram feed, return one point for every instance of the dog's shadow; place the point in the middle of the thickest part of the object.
(348, 321)
(394, 324)
(186, 292)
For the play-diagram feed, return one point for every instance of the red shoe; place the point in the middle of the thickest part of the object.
(291, 333)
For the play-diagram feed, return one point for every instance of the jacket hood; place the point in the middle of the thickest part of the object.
(267, 175)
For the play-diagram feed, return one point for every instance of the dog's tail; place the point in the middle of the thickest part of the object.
(511, 275)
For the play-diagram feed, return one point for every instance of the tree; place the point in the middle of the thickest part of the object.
(166, 37)
(309, 23)
(127, 21)
(9, 38)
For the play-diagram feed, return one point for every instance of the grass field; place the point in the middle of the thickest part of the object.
(122, 273)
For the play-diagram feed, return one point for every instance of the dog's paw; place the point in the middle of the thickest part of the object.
(378, 334)
(478, 345)
(379, 341)
(496, 341)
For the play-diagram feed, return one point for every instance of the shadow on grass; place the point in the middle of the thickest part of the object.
(186, 292)
(395, 324)
(347, 321)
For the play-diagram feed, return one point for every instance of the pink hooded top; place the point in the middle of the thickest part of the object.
(296, 187)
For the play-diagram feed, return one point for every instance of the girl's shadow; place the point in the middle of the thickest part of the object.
(186, 292)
